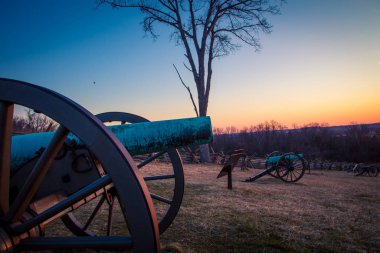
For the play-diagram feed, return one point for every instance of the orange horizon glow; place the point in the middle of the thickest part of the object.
(333, 117)
(294, 125)
(329, 118)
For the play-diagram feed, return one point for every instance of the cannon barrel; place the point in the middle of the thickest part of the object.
(138, 138)
(276, 159)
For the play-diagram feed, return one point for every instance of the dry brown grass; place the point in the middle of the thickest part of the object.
(326, 211)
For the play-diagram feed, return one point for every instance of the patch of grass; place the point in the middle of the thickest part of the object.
(172, 248)
(366, 197)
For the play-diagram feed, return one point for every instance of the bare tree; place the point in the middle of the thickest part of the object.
(33, 122)
(38, 122)
(206, 29)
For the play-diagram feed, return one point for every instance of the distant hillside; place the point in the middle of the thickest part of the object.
(349, 143)
(342, 129)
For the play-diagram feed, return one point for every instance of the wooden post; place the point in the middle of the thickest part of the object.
(230, 179)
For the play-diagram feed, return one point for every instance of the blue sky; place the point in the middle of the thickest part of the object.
(321, 63)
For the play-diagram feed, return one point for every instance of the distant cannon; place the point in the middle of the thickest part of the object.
(289, 167)
(370, 170)
(50, 176)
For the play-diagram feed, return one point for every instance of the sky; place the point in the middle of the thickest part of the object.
(321, 63)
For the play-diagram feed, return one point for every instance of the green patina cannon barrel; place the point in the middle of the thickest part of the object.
(138, 138)
(276, 159)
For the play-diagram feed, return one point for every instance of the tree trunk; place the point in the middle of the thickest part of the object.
(204, 149)
(204, 153)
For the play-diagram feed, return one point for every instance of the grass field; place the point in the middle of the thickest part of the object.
(326, 211)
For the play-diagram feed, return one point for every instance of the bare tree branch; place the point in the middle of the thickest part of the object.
(187, 67)
(188, 89)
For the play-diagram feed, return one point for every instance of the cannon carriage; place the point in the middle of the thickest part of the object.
(289, 167)
(81, 163)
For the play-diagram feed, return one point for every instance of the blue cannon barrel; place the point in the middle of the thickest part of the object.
(138, 138)
(275, 159)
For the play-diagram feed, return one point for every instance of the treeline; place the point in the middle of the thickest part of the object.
(355, 143)
(32, 122)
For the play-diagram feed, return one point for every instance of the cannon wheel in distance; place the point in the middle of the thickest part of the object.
(290, 170)
(176, 178)
(273, 173)
(142, 233)
(373, 171)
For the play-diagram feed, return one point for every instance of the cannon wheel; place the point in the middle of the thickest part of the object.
(140, 218)
(373, 171)
(273, 173)
(177, 175)
(358, 170)
(290, 170)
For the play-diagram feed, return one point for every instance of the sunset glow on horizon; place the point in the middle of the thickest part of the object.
(320, 64)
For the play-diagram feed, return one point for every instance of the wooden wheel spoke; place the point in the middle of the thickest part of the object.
(63, 205)
(94, 212)
(295, 173)
(150, 159)
(110, 216)
(284, 172)
(37, 175)
(6, 118)
(152, 178)
(299, 169)
(161, 199)
(83, 242)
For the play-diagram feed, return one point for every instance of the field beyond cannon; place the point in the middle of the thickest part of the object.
(326, 211)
